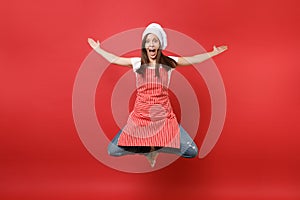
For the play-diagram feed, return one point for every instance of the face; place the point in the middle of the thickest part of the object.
(152, 45)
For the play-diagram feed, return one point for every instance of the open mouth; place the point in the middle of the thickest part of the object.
(152, 53)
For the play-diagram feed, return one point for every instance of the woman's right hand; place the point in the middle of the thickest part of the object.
(93, 43)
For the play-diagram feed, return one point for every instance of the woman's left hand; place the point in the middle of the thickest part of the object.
(94, 44)
(220, 49)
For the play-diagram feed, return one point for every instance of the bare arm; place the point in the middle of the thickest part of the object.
(109, 56)
(183, 61)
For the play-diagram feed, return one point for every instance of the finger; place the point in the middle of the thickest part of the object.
(91, 41)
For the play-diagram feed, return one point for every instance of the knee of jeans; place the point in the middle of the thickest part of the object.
(115, 150)
(194, 153)
(191, 152)
(111, 150)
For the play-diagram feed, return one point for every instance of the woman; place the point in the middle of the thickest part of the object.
(152, 126)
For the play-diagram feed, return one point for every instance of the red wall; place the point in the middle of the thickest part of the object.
(43, 44)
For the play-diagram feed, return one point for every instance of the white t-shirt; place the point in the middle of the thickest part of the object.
(136, 64)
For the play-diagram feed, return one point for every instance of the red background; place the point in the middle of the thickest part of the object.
(42, 46)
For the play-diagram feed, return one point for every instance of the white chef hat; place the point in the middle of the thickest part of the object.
(158, 31)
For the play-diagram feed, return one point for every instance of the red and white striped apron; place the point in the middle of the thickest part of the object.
(152, 121)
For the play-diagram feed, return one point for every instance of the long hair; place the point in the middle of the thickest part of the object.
(161, 60)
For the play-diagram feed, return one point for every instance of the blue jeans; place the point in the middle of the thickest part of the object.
(188, 148)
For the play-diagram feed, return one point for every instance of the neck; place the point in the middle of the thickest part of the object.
(152, 61)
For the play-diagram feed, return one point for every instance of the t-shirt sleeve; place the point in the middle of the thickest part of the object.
(136, 63)
(174, 58)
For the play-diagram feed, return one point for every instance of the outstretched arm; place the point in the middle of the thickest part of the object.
(183, 61)
(109, 56)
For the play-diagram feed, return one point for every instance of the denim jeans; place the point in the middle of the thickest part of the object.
(188, 148)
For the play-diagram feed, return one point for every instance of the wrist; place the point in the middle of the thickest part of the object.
(97, 48)
(212, 53)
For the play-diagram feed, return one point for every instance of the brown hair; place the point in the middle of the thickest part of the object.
(161, 60)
